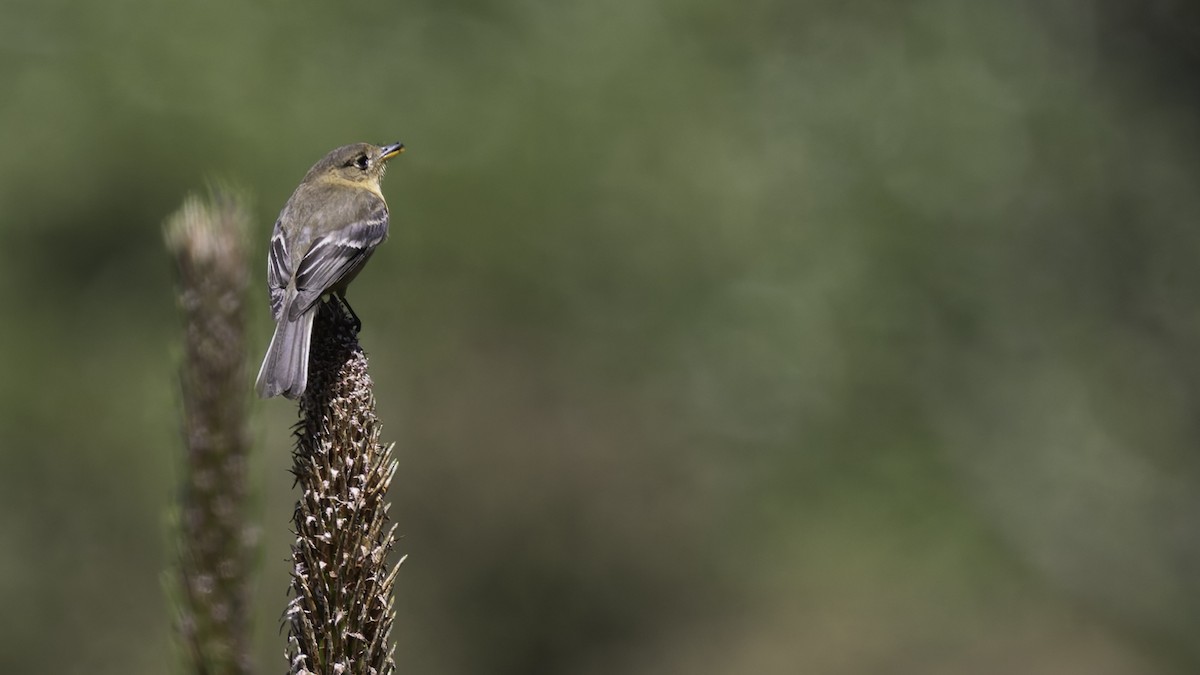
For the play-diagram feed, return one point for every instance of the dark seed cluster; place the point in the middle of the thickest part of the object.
(340, 616)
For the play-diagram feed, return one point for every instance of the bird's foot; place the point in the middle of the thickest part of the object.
(348, 312)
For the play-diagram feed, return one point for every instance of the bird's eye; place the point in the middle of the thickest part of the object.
(361, 162)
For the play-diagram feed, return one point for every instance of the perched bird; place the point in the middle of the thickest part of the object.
(325, 233)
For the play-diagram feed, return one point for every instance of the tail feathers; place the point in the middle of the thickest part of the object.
(285, 367)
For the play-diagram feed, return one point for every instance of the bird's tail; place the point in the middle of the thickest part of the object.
(285, 367)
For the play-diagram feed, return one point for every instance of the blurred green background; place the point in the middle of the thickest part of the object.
(760, 337)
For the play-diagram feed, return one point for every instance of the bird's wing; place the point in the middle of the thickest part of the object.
(279, 269)
(337, 256)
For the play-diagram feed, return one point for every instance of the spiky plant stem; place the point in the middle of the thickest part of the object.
(207, 240)
(340, 618)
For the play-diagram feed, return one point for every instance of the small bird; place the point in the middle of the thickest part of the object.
(325, 233)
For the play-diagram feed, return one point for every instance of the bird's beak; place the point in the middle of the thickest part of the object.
(389, 151)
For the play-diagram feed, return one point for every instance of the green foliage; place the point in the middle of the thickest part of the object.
(736, 337)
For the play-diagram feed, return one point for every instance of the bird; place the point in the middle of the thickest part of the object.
(325, 233)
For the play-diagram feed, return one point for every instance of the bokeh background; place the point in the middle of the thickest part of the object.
(763, 337)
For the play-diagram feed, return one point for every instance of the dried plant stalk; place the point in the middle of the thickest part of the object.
(340, 618)
(207, 239)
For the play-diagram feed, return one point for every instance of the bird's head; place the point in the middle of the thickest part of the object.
(360, 163)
